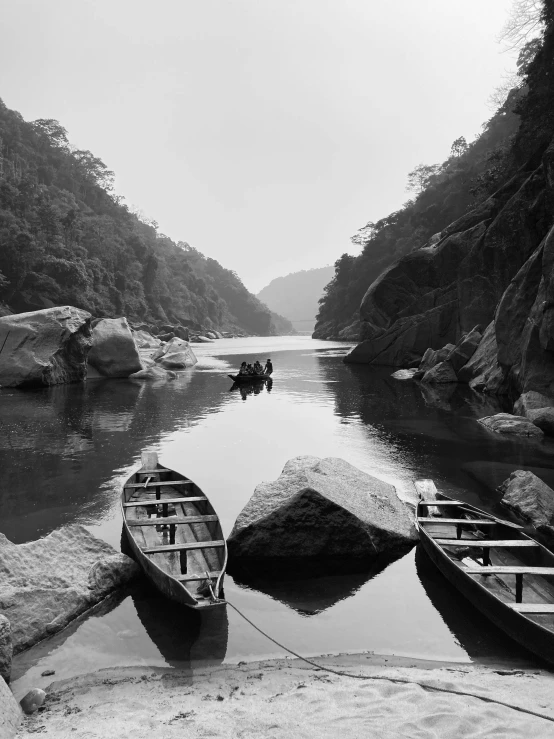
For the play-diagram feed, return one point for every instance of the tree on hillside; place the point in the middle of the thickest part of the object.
(420, 177)
(524, 23)
(458, 147)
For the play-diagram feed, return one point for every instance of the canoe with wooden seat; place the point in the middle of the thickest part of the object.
(175, 534)
(505, 573)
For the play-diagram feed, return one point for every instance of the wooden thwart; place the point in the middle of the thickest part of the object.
(486, 542)
(164, 501)
(181, 547)
(155, 483)
(476, 521)
(191, 578)
(440, 502)
(532, 607)
(502, 570)
(153, 472)
(161, 520)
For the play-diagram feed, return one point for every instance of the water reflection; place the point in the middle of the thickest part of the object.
(307, 590)
(254, 387)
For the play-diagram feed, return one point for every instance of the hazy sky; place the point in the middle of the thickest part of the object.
(263, 132)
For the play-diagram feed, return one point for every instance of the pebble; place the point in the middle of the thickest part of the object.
(47, 673)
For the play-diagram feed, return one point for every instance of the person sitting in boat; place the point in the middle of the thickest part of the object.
(268, 369)
(258, 369)
(249, 369)
(242, 370)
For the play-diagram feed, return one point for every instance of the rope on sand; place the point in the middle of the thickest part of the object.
(400, 680)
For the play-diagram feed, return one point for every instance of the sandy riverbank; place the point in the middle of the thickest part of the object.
(288, 698)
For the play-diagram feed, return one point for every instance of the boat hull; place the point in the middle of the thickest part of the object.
(526, 632)
(249, 378)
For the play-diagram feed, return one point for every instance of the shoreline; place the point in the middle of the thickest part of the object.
(397, 696)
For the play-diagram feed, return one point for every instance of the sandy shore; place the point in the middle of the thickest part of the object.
(289, 698)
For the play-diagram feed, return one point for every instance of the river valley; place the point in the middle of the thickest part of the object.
(66, 450)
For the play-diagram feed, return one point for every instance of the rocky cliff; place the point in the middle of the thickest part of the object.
(493, 267)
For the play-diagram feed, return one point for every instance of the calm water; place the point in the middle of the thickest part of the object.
(65, 451)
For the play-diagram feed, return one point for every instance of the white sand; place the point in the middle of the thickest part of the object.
(288, 698)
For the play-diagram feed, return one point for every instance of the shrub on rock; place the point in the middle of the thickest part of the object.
(44, 347)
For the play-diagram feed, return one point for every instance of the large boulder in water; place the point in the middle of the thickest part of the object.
(506, 423)
(322, 510)
(44, 347)
(530, 497)
(47, 583)
(176, 354)
(114, 351)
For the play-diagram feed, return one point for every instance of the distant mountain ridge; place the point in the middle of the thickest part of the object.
(295, 296)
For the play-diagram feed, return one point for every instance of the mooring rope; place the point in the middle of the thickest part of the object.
(400, 680)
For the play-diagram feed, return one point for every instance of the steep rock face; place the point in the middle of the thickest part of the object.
(437, 293)
(321, 508)
(44, 347)
(46, 583)
(114, 352)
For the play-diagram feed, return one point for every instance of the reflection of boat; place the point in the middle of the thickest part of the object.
(506, 574)
(175, 534)
(249, 378)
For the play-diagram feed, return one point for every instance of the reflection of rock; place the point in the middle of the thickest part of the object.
(184, 637)
(527, 495)
(309, 589)
(492, 474)
(44, 347)
(438, 396)
(6, 648)
(324, 509)
(479, 637)
(506, 423)
(48, 582)
(153, 373)
(114, 352)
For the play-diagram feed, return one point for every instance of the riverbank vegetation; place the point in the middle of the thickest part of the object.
(67, 238)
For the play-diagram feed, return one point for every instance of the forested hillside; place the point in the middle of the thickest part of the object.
(442, 193)
(296, 296)
(66, 238)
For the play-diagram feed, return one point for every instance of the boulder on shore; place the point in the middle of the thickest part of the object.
(530, 401)
(6, 649)
(48, 582)
(145, 340)
(532, 499)
(506, 423)
(440, 373)
(323, 509)
(176, 354)
(44, 347)
(114, 352)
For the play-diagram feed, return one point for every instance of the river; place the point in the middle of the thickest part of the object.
(66, 450)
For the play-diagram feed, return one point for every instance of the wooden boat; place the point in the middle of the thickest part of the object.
(175, 534)
(506, 574)
(249, 378)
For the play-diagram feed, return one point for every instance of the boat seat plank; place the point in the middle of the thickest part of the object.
(153, 472)
(162, 520)
(164, 501)
(179, 547)
(190, 578)
(503, 570)
(532, 607)
(440, 502)
(487, 542)
(156, 483)
(476, 521)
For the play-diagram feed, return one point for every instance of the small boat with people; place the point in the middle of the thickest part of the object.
(505, 573)
(175, 534)
(253, 372)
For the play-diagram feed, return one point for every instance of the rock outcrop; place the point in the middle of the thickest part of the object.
(321, 509)
(48, 582)
(442, 372)
(506, 423)
(10, 712)
(532, 499)
(114, 352)
(6, 648)
(44, 347)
